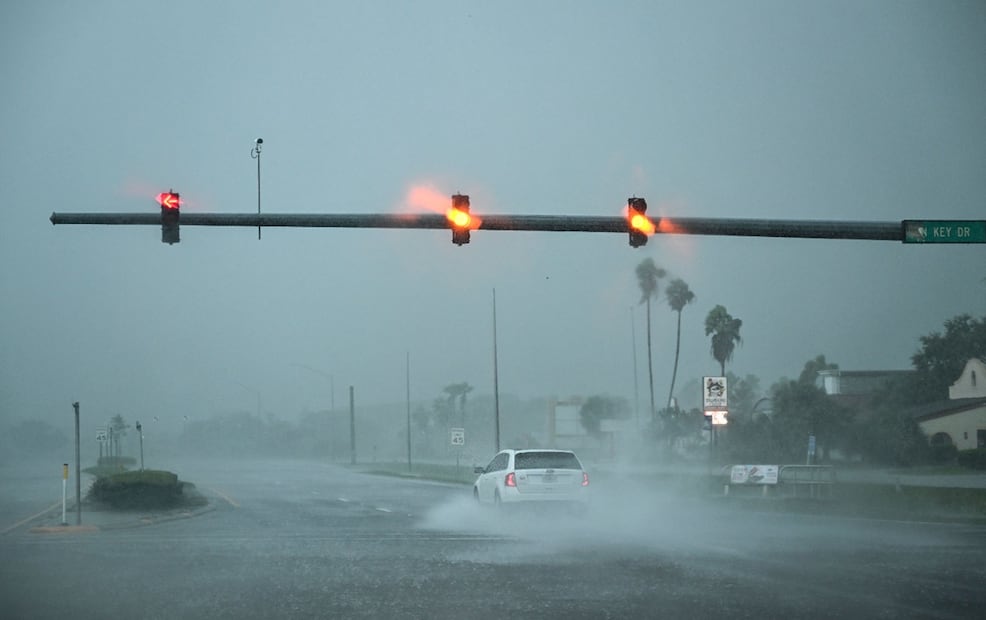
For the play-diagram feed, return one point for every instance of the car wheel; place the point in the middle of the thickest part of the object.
(475, 494)
(497, 502)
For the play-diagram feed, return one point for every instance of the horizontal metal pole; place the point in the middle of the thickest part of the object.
(805, 229)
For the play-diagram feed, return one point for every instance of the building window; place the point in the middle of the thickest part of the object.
(981, 438)
(973, 378)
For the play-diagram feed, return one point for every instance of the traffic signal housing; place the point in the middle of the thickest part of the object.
(170, 203)
(638, 224)
(460, 219)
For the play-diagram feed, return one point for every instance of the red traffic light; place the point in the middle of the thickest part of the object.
(170, 203)
(169, 200)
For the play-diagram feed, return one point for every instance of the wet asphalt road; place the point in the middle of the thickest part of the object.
(309, 540)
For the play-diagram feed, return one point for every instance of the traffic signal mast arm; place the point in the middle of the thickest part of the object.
(805, 229)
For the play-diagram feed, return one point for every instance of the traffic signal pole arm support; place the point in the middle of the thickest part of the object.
(806, 229)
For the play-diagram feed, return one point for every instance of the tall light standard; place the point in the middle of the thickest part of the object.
(140, 434)
(496, 381)
(327, 375)
(332, 394)
(407, 381)
(260, 404)
(255, 153)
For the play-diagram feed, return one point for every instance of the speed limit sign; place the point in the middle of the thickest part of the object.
(458, 437)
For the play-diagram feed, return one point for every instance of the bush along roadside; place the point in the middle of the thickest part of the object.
(138, 490)
(973, 459)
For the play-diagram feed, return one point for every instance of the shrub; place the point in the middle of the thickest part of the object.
(973, 459)
(942, 454)
(138, 489)
(116, 462)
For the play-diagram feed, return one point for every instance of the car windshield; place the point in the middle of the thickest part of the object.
(546, 460)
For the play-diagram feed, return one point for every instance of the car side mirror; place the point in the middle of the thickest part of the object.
(478, 470)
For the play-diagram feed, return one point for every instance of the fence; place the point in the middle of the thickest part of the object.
(808, 481)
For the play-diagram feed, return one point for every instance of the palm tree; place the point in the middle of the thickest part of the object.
(679, 296)
(647, 276)
(725, 335)
(458, 390)
(118, 429)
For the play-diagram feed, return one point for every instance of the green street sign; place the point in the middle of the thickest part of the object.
(944, 231)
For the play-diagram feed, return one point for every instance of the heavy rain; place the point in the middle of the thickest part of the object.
(214, 421)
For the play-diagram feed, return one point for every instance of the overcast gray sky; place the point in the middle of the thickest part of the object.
(789, 109)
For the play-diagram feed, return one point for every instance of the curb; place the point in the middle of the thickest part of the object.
(155, 519)
(63, 529)
(123, 521)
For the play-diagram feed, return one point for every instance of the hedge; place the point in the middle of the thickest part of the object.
(138, 489)
(974, 459)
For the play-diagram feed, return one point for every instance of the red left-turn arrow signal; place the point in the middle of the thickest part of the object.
(169, 200)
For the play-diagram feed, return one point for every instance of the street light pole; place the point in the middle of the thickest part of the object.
(327, 375)
(496, 380)
(255, 153)
(140, 435)
(260, 402)
(408, 385)
(352, 426)
(78, 465)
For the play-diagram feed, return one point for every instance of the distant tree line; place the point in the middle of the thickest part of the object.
(879, 429)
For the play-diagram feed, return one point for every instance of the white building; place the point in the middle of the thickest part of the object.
(961, 420)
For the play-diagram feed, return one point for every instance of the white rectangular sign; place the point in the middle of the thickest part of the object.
(753, 474)
(458, 437)
(714, 393)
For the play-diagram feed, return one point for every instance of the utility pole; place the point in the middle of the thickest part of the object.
(78, 465)
(408, 383)
(496, 380)
(140, 435)
(352, 426)
(636, 387)
(255, 153)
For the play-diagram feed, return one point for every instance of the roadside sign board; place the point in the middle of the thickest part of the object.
(753, 474)
(714, 394)
(944, 231)
(458, 437)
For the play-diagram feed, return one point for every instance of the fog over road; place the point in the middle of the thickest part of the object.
(301, 539)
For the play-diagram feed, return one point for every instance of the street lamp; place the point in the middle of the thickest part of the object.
(259, 399)
(332, 392)
(327, 375)
(140, 434)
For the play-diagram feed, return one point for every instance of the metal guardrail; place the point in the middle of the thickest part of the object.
(810, 481)
(807, 480)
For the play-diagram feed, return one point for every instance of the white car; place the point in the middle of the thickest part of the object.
(532, 476)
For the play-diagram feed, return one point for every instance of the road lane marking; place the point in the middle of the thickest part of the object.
(384, 509)
(31, 518)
